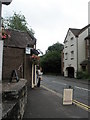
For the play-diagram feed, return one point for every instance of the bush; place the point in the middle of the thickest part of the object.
(83, 75)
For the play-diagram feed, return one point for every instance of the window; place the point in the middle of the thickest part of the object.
(72, 42)
(66, 56)
(72, 38)
(66, 46)
(72, 55)
(84, 68)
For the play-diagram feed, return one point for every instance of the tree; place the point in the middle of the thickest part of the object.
(17, 21)
(55, 47)
(51, 61)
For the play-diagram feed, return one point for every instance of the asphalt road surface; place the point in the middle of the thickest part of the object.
(59, 83)
(46, 101)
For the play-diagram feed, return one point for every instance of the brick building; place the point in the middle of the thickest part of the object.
(16, 58)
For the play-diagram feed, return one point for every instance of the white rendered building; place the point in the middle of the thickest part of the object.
(74, 51)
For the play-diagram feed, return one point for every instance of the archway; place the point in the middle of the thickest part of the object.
(70, 72)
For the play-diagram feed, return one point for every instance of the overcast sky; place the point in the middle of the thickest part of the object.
(50, 19)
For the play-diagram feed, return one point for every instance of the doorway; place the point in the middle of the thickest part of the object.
(70, 72)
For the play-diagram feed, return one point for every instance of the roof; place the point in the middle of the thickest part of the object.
(83, 29)
(74, 31)
(77, 32)
(85, 62)
(19, 39)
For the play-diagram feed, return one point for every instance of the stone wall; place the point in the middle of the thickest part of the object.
(14, 97)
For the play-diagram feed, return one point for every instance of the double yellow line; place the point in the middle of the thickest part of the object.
(86, 107)
(83, 106)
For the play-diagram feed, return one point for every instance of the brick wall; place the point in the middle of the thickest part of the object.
(13, 58)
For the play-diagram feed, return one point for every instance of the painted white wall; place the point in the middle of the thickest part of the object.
(78, 42)
(1, 58)
(68, 49)
(81, 47)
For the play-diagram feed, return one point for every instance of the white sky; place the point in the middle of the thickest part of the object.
(50, 19)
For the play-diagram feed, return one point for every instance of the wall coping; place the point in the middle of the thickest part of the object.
(13, 90)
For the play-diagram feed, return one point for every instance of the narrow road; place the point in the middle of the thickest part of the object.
(59, 83)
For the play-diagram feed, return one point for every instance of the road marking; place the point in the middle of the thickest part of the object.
(86, 107)
(74, 86)
(83, 106)
(82, 88)
(59, 83)
(58, 94)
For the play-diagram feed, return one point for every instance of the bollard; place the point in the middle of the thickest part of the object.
(68, 96)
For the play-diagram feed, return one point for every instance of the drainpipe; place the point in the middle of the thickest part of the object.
(89, 57)
(77, 54)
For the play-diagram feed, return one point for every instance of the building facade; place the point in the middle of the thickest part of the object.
(74, 51)
(16, 57)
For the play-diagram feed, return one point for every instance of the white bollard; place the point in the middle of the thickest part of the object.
(68, 96)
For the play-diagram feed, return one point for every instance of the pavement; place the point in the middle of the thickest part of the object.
(43, 103)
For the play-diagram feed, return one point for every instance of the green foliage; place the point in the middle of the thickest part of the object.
(18, 22)
(83, 75)
(51, 61)
(55, 47)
